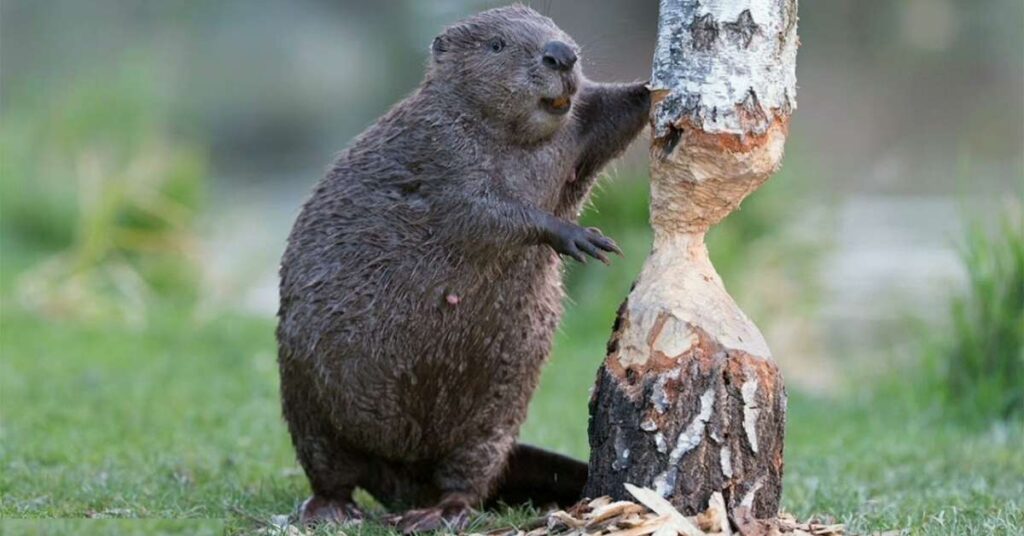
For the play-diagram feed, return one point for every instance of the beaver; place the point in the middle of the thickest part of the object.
(421, 283)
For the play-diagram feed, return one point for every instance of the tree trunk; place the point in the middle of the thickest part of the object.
(689, 401)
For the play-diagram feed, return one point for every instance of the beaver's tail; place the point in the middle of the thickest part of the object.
(541, 477)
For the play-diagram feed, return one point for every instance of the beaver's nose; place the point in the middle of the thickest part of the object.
(558, 56)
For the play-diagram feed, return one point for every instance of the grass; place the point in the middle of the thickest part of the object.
(979, 362)
(110, 422)
(106, 527)
(875, 466)
(175, 425)
(165, 423)
(141, 423)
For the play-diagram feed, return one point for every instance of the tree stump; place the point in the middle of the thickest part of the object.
(688, 400)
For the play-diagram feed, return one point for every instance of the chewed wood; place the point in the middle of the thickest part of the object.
(690, 426)
(689, 401)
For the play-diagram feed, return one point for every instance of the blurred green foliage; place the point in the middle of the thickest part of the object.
(979, 362)
(92, 180)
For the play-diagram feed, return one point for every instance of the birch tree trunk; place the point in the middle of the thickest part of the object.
(688, 400)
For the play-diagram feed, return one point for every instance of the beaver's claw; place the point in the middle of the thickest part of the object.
(577, 242)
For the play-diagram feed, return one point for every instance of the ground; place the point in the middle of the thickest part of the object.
(172, 425)
(180, 420)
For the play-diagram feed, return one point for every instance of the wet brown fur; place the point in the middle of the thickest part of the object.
(421, 284)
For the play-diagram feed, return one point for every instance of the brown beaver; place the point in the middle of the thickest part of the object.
(421, 284)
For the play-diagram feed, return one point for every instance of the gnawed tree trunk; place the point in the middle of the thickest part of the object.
(689, 400)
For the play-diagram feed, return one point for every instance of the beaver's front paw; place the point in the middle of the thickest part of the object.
(577, 242)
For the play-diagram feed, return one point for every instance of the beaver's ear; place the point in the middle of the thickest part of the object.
(438, 47)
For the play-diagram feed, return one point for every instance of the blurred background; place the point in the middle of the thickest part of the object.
(155, 153)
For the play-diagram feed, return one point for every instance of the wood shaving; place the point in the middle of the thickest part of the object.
(650, 515)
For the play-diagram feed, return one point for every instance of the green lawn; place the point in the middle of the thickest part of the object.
(176, 425)
(180, 420)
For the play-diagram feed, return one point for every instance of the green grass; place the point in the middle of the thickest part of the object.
(173, 422)
(181, 420)
(979, 363)
(875, 466)
(106, 527)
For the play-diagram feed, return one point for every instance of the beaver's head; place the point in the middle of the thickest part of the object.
(511, 65)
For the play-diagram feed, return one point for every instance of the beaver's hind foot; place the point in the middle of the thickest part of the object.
(451, 514)
(316, 510)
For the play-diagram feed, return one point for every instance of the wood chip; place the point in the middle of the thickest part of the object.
(649, 527)
(715, 520)
(667, 529)
(615, 509)
(653, 515)
(630, 520)
(565, 519)
(660, 506)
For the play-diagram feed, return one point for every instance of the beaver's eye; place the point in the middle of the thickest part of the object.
(497, 44)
